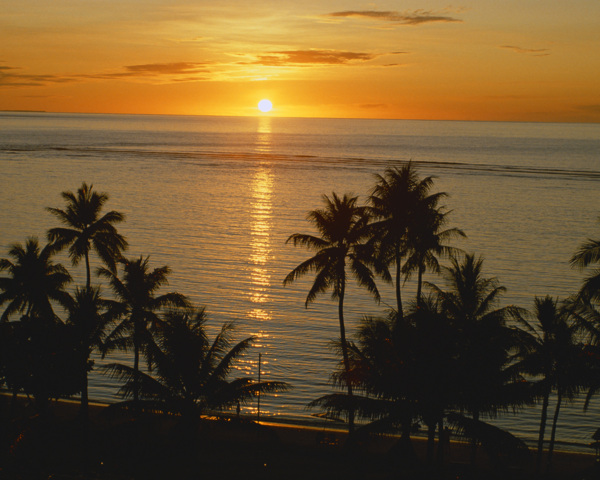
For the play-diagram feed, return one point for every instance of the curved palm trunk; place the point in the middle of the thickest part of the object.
(87, 271)
(345, 353)
(553, 434)
(540, 448)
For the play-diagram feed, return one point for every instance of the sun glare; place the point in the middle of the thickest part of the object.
(265, 105)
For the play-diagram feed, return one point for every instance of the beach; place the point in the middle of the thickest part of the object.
(156, 446)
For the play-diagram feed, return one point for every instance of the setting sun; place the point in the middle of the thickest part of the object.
(265, 105)
(469, 62)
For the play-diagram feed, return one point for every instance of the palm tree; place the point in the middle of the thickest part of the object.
(394, 202)
(381, 369)
(90, 317)
(86, 229)
(34, 281)
(191, 372)
(483, 340)
(426, 240)
(411, 364)
(342, 232)
(551, 351)
(589, 254)
(138, 304)
(41, 359)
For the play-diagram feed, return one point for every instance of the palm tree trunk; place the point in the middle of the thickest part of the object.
(345, 353)
(84, 418)
(540, 448)
(87, 271)
(442, 442)
(136, 364)
(553, 434)
(84, 409)
(420, 284)
(398, 278)
(136, 368)
(474, 440)
(430, 442)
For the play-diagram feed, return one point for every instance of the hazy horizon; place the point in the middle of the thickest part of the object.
(489, 61)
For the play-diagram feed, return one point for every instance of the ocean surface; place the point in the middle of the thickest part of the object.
(215, 198)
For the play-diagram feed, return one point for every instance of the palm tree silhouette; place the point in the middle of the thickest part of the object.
(426, 239)
(41, 359)
(588, 254)
(552, 352)
(395, 201)
(90, 316)
(138, 304)
(85, 229)
(34, 281)
(342, 228)
(410, 364)
(191, 372)
(483, 340)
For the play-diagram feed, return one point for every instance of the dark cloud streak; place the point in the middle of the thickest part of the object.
(536, 52)
(311, 57)
(417, 17)
(181, 71)
(153, 70)
(24, 80)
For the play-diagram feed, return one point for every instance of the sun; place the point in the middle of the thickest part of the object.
(265, 105)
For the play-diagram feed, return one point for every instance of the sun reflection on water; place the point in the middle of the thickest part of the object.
(261, 217)
(263, 137)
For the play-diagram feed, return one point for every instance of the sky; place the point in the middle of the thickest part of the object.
(526, 60)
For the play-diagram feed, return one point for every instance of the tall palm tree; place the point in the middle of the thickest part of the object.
(34, 281)
(484, 341)
(412, 365)
(90, 317)
(86, 229)
(411, 370)
(381, 368)
(191, 372)
(551, 351)
(138, 304)
(587, 317)
(341, 243)
(426, 239)
(394, 203)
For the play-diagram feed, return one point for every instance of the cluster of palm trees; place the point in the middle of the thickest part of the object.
(47, 357)
(452, 355)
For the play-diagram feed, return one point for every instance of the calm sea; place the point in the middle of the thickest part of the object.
(216, 197)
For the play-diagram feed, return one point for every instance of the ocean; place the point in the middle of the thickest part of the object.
(215, 198)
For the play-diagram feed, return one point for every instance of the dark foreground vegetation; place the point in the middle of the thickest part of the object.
(443, 363)
(150, 446)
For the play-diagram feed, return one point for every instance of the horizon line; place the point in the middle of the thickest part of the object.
(267, 115)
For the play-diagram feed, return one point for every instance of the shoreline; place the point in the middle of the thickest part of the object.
(317, 439)
(64, 407)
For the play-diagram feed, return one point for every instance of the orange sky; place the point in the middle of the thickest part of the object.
(526, 60)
